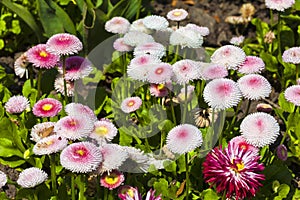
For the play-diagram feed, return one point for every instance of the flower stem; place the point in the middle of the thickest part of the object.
(297, 72)
(31, 76)
(53, 174)
(172, 106)
(248, 107)
(39, 83)
(73, 187)
(278, 34)
(64, 78)
(187, 185)
(185, 104)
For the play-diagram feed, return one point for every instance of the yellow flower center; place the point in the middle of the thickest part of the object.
(177, 13)
(47, 107)
(238, 165)
(43, 54)
(102, 130)
(130, 103)
(160, 86)
(72, 122)
(111, 179)
(80, 152)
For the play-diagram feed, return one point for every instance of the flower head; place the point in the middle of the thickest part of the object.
(135, 38)
(118, 25)
(229, 55)
(247, 11)
(222, 93)
(31, 177)
(80, 109)
(119, 45)
(47, 107)
(156, 22)
(131, 104)
(238, 40)
(279, 5)
(63, 44)
(202, 30)
(49, 145)
(254, 86)
(186, 37)
(59, 86)
(177, 14)
(292, 94)
(186, 70)
(160, 73)
(104, 131)
(81, 157)
(3, 179)
(212, 71)
(252, 65)
(42, 58)
(152, 48)
(259, 129)
(159, 90)
(112, 180)
(20, 65)
(234, 170)
(127, 192)
(42, 130)
(139, 26)
(240, 142)
(17, 104)
(291, 55)
(184, 138)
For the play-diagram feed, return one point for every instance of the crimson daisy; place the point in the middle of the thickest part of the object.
(40, 57)
(47, 107)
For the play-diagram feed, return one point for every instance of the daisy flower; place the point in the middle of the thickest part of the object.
(291, 55)
(281, 152)
(139, 26)
(254, 86)
(17, 104)
(135, 38)
(41, 58)
(42, 130)
(119, 45)
(259, 129)
(159, 90)
(131, 104)
(252, 64)
(47, 107)
(74, 127)
(222, 93)
(234, 171)
(292, 94)
(104, 131)
(76, 67)
(202, 30)
(3, 179)
(31, 177)
(229, 55)
(80, 109)
(20, 65)
(212, 71)
(241, 143)
(81, 157)
(160, 73)
(186, 70)
(152, 48)
(177, 14)
(59, 86)
(184, 138)
(63, 44)
(118, 25)
(279, 5)
(156, 22)
(186, 37)
(112, 180)
(49, 145)
(237, 40)
(127, 192)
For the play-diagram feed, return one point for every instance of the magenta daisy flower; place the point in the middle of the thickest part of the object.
(47, 107)
(3, 179)
(240, 142)
(292, 94)
(20, 65)
(279, 5)
(159, 90)
(131, 104)
(117, 25)
(291, 55)
(184, 138)
(42, 130)
(76, 67)
(252, 65)
(112, 180)
(31, 177)
(254, 86)
(63, 44)
(81, 157)
(128, 192)
(259, 129)
(156, 22)
(185, 71)
(42, 58)
(59, 86)
(74, 127)
(17, 104)
(80, 109)
(234, 171)
(49, 145)
(160, 73)
(230, 56)
(177, 14)
(152, 48)
(222, 93)
(212, 71)
(104, 131)
(119, 45)
(202, 30)
(237, 40)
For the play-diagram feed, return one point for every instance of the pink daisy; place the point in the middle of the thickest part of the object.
(229, 56)
(76, 67)
(281, 152)
(186, 70)
(42, 58)
(292, 94)
(59, 86)
(20, 65)
(291, 55)
(233, 171)
(156, 22)
(81, 157)
(118, 25)
(49, 145)
(160, 73)
(74, 127)
(112, 180)
(184, 138)
(63, 44)
(131, 104)
(31, 177)
(241, 143)
(252, 65)
(279, 5)
(160, 90)
(135, 38)
(104, 131)
(17, 104)
(177, 14)
(237, 40)
(3, 179)
(259, 129)
(42, 130)
(47, 107)
(222, 93)
(212, 71)
(119, 45)
(80, 109)
(152, 48)
(202, 30)
(254, 86)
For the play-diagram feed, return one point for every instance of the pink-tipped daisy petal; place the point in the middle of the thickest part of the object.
(104, 131)
(202, 30)
(135, 38)
(31, 177)
(252, 65)
(138, 26)
(59, 86)
(117, 25)
(160, 73)
(186, 70)
(20, 65)
(291, 55)
(259, 129)
(240, 142)
(186, 37)
(80, 109)
(279, 5)
(238, 40)
(152, 48)
(177, 14)
(112, 180)
(119, 45)
(131, 104)
(292, 94)
(17, 104)
(49, 145)
(212, 71)
(47, 107)
(156, 22)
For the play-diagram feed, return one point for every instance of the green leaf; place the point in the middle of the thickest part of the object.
(283, 190)
(270, 61)
(125, 137)
(296, 196)
(284, 104)
(287, 37)
(161, 186)
(209, 194)
(2, 45)
(8, 149)
(12, 162)
(15, 27)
